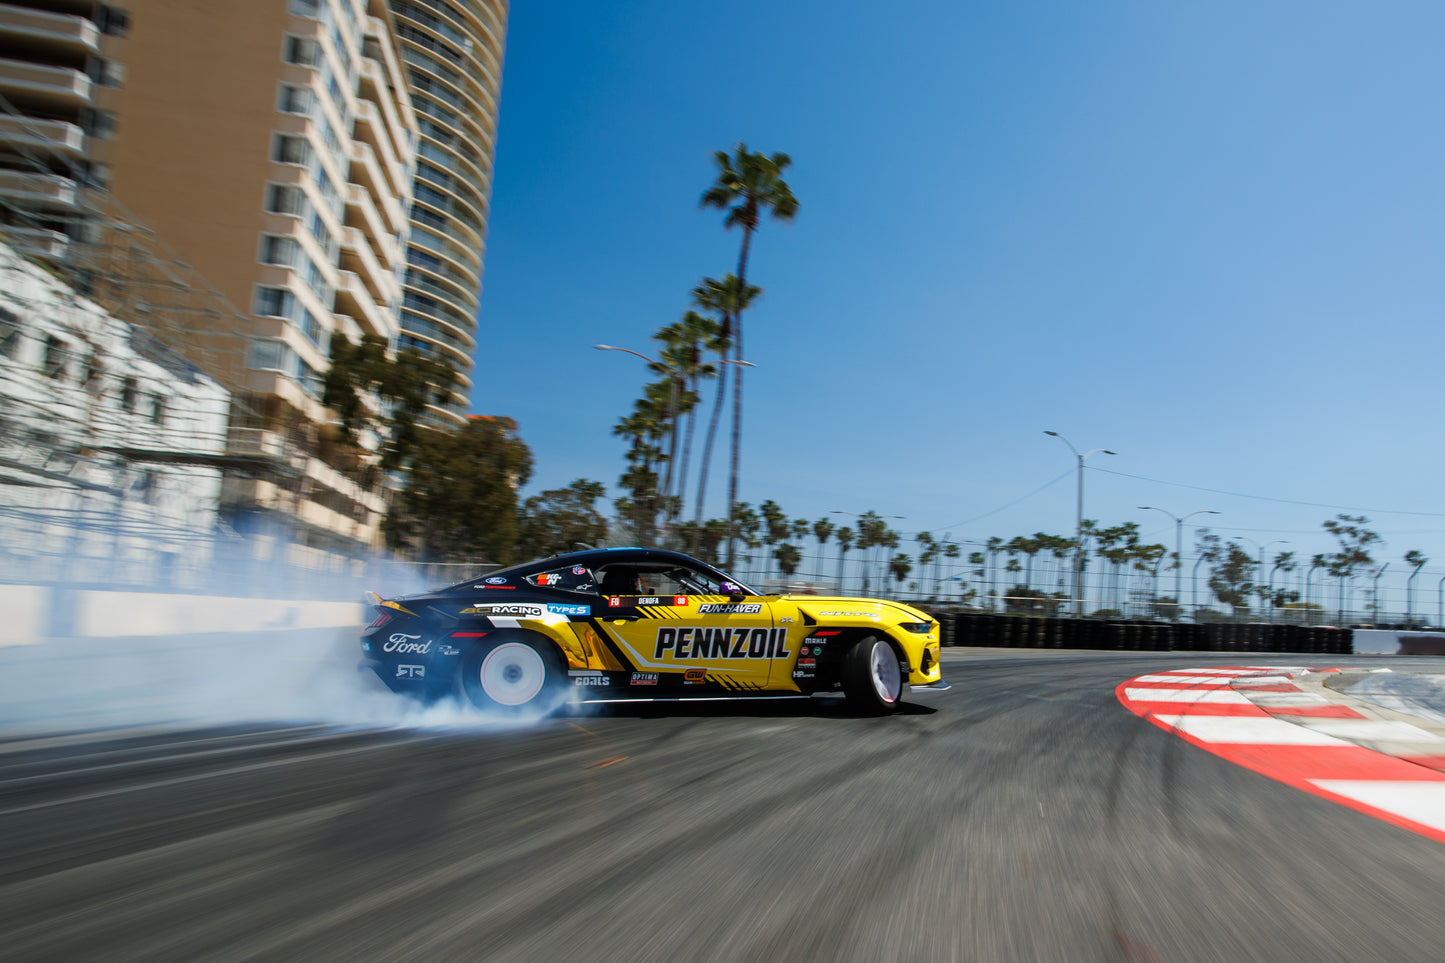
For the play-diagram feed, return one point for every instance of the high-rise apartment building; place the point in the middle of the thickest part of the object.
(452, 50)
(59, 67)
(322, 168)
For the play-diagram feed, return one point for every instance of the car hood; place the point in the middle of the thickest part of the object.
(865, 610)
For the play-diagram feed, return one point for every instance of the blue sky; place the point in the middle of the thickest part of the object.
(1205, 236)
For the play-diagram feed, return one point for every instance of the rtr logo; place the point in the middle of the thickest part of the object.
(411, 672)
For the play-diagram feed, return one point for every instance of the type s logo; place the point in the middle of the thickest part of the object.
(403, 644)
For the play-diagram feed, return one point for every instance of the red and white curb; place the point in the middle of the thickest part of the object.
(1259, 718)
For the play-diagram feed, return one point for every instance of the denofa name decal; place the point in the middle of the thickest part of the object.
(689, 643)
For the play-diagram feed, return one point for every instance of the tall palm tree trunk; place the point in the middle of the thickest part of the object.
(738, 392)
(705, 467)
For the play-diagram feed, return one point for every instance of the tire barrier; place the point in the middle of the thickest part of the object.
(1120, 635)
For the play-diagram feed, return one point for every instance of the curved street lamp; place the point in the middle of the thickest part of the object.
(1179, 549)
(1079, 519)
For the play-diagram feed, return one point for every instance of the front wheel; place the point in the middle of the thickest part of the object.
(872, 677)
(514, 676)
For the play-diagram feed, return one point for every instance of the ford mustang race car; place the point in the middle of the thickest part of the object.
(642, 624)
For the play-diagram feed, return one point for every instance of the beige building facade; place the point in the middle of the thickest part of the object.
(272, 144)
(452, 52)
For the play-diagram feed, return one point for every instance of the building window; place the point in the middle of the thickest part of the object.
(274, 302)
(294, 100)
(9, 333)
(158, 410)
(302, 51)
(268, 356)
(112, 22)
(94, 368)
(128, 392)
(290, 149)
(278, 249)
(56, 357)
(283, 199)
(97, 123)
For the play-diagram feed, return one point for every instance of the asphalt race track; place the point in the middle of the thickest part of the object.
(1022, 815)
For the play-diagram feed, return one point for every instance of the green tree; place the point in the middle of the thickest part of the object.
(460, 499)
(563, 519)
(844, 537)
(1354, 541)
(788, 556)
(1416, 560)
(748, 185)
(406, 383)
(900, 566)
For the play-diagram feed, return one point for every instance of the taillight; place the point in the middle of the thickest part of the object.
(381, 619)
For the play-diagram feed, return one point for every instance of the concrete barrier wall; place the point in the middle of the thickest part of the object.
(34, 613)
(26, 609)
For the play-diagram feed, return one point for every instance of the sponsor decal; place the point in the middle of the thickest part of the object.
(807, 662)
(644, 678)
(569, 609)
(591, 680)
(730, 608)
(403, 644)
(411, 672)
(579, 570)
(448, 650)
(496, 580)
(787, 620)
(548, 578)
(514, 610)
(721, 643)
(614, 601)
(366, 646)
(849, 615)
(694, 676)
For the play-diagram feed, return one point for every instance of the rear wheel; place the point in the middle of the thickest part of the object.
(514, 675)
(872, 677)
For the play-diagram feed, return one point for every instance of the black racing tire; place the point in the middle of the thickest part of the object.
(513, 674)
(873, 680)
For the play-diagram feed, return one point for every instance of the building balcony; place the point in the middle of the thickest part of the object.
(39, 191)
(48, 35)
(353, 299)
(43, 136)
(358, 256)
(381, 138)
(366, 172)
(361, 212)
(31, 85)
(38, 241)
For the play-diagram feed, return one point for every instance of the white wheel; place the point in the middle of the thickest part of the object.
(513, 674)
(872, 677)
(883, 671)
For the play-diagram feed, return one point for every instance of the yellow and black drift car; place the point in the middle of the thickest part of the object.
(637, 623)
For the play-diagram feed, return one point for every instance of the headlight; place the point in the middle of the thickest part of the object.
(917, 628)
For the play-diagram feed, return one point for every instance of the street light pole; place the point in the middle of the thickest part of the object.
(1260, 574)
(1079, 519)
(1178, 548)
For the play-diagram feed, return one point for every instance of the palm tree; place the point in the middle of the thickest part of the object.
(749, 184)
(724, 299)
(788, 558)
(844, 536)
(822, 528)
(683, 343)
(1417, 560)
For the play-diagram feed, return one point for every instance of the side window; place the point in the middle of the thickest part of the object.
(577, 578)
